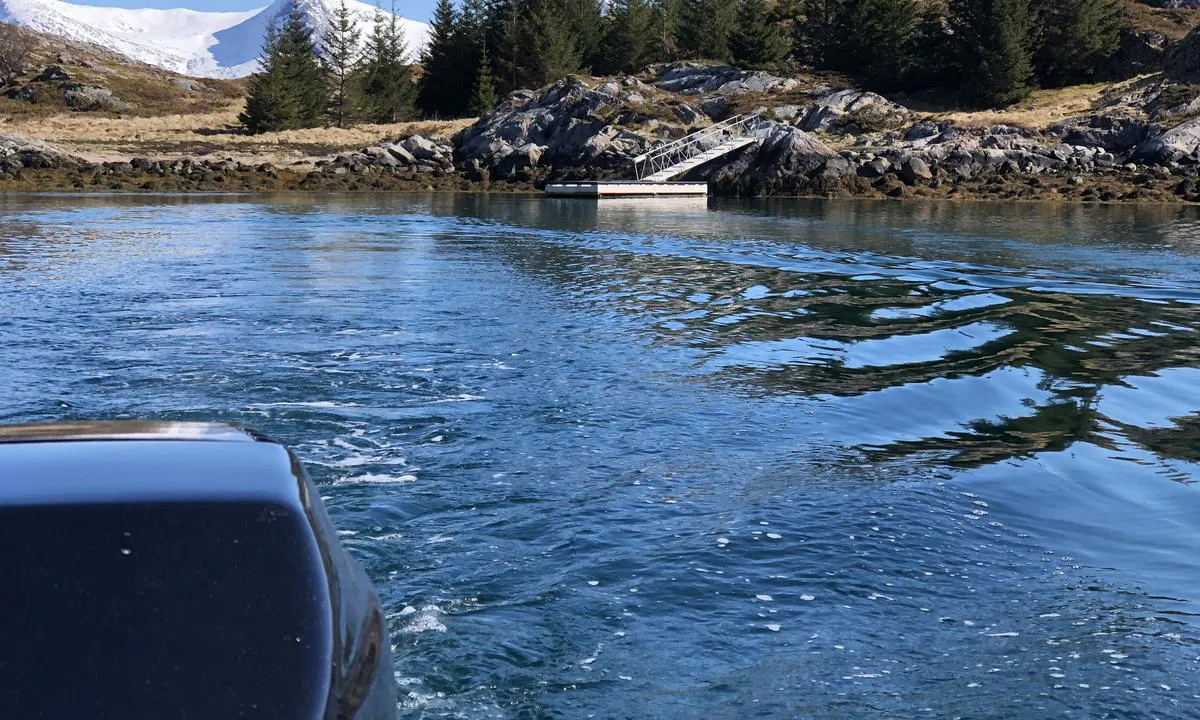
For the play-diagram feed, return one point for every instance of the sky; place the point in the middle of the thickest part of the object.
(412, 9)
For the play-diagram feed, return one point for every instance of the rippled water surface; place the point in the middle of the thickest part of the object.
(668, 460)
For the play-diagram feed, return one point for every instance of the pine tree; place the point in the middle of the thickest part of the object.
(340, 54)
(628, 37)
(387, 85)
(1078, 36)
(756, 42)
(705, 27)
(544, 34)
(483, 95)
(289, 90)
(505, 43)
(820, 37)
(584, 28)
(879, 42)
(995, 48)
(664, 25)
(267, 103)
(441, 93)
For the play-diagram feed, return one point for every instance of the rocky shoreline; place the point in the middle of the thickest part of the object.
(813, 141)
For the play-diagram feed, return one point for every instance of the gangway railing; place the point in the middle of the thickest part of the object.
(678, 152)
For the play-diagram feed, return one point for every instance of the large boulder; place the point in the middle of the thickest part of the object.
(1113, 133)
(91, 97)
(18, 152)
(421, 148)
(867, 110)
(519, 161)
(1179, 144)
(693, 79)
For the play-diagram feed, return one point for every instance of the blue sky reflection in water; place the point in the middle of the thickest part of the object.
(777, 459)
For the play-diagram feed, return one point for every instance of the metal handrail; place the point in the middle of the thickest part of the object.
(733, 126)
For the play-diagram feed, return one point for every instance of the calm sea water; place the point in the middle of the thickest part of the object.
(646, 460)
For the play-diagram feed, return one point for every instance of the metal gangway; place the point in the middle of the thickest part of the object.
(691, 151)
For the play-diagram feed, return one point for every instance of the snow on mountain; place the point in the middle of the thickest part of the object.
(190, 42)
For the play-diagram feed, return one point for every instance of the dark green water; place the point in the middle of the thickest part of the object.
(641, 460)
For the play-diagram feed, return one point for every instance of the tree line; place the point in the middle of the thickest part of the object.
(307, 81)
(993, 51)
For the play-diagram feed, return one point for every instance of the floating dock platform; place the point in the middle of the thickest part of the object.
(626, 188)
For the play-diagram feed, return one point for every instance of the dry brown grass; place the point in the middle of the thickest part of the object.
(1041, 109)
(101, 138)
(1174, 23)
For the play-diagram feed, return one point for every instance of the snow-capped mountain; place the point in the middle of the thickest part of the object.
(190, 42)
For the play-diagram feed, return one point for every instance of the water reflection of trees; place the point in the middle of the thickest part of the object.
(1079, 343)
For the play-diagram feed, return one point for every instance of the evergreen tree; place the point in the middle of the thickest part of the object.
(441, 93)
(705, 27)
(664, 24)
(879, 43)
(584, 28)
(341, 55)
(266, 100)
(756, 42)
(818, 40)
(387, 84)
(505, 44)
(1078, 37)
(289, 90)
(628, 39)
(483, 96)
(544, 35)
(995, 48)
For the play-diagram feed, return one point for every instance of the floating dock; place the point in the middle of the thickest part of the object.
(626, 188)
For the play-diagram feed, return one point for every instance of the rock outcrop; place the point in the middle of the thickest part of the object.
(17, 154)
(1177, 145)
(415, 154)
(570, 125)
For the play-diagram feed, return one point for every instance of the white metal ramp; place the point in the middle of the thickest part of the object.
(691, 151)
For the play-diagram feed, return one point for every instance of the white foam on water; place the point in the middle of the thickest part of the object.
(773, 627)
(438, 539)
(424, 620)
(808, 598)
(319, 404)
(764, 598)
(463, 397)
(376, 479)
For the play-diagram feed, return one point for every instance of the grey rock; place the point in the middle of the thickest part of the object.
(521, 159)
(1112, 133)
(687, 114)
(716, 108)
(786, 113)
(836, 168)
(877, 167)
(53, 73)
(1179, 144)
(922, 131)
(188, 84)
(836, 106)
(915, 170)
(692, 79)
(397, 151)
(90, 97)
(421, 148)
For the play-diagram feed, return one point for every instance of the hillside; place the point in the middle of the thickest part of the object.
(189, 42)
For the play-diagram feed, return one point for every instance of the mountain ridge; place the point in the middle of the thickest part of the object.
(190, 42)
